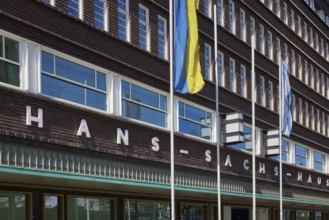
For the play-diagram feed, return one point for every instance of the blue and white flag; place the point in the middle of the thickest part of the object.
(286, 117)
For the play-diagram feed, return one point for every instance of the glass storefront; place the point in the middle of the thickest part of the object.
(146, 210)
(13, 206)
(193, 211)
(83, 208)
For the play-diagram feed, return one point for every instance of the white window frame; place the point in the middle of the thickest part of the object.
(232, 75)
(299, 26)
(293, 107)
(105, 15)
(242, 25)
(243, 82)
(308, 156)
(208, 60)
(231, 17)
(261, 39)
(307, 124)
(220, 12)
(221, 72)
(164, 33)
(127, 15)
(300, 111)
(262, 90)
(147, 24)
(278, 49)
(270, 95)
(80, 8)
(285, 13)
(269, 45)
(292, 18)
(324, 162)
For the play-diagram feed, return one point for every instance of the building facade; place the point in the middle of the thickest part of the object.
(84, 111)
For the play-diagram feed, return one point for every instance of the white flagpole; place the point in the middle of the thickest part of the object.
(253, 94)
(218, 141)
(280, 133)
(172, 165)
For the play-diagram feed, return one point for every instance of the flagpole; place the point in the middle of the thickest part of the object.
(280, 134)
(171, 123)
(218, 141)
(253, 93)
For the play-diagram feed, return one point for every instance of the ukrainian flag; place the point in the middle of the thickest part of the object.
(187, 69)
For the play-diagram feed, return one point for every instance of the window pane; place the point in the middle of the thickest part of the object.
(144, 96)
(139, 209)
(301, 151)
(47, 63)
(52, 208)
(73, 7)
(246, 145)
(194, 114)
(12, 50)
(89, 208)
(125, 90)
(13, 207)
(60, 89)
(96, 99)
(101, 81)
(75, 72)
(9, 73)
(193, 211)
(1, 46)
(194, 129)
(163, 103)
(303, 215)
(135, 111)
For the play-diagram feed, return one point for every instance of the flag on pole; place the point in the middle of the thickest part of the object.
(187, 69)
(286, 118)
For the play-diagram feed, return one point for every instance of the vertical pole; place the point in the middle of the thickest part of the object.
(172, 165)
(218, 141)
(253, 94)
(280, 133)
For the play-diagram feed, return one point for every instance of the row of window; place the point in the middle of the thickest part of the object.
(73, 81)
(324, 17)
(16, 206)
(75, 9)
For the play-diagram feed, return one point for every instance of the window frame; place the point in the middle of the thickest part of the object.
(306, 157)
(261, 39)
(105, 15)
(243, 81)
(145, 23)
(80, 8)
(242, 25)
(232, 75)
(220, 12)
(269, 45)
(221, 69)
(61, 204)
(126, 13)
(270, 103)
(164, 34)
(207, 62)
(262, 91)
(231, 18)
(319, 162)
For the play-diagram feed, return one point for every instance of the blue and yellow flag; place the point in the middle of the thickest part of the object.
(187, 69)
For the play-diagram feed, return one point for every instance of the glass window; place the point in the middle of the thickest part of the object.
(231, 23)
(303, 215)
(52, 207)
(292, 18)
(73, 82)
(141, 209)
(232, 75)
(243, 84)
(123, 19)
(190, 211)
(299, 26)
(195, 121)
(89, 208)
(13, 207)
(319, 162)
(277, 8)
(270, 95)
(207, 8)
(162, 38)
(143, 27)
(269, 45)
(9, 61)
(99, 13)
(246, 145)
(144, 105)
(318, 215)
(285, 152)
(73, 7)
(220, 67)
(262, 91)
(242, 25)
(285, 13)
(286, 215)
(207, 64)
(220, 13)
(301, 156)
(278, 49)
(252, 28)
(47, 1)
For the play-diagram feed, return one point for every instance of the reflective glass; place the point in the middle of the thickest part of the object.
(99, 13)
(195, 114)
(122, 26)
(12, 50)
(125, 90)
(9, 73)
(194, 129)
(135, 111)
(61, 89)
(285, 152)
(89, 208)
(139, 209)
(13, 207)
(246, 145)
(96, 99)
(163, 103)
(301, 151)
(192, 211)
(52, 208)
(47, 63)
(101, 81)
(144, 96)
(75, 72)
(73, 7)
